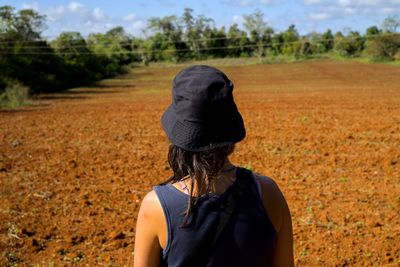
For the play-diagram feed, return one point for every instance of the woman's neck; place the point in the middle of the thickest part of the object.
(218, 184)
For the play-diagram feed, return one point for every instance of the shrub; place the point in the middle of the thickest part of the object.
(15, 95)
(303, 49)
(397, 56)
(383, 47)
(349, 46)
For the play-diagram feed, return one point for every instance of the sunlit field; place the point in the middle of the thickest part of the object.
(74, 166)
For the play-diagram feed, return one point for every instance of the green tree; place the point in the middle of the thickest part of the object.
(372, 31)
(303, 48)
(201, 25)
(170, 37)
(24, 56)
(215, 42)
(237, 42)
(384, 46)
(115, 45)
(25, 25)
(69, 59)
(72, 48)
(315, 41)
(123, 43)
(291, 40)
(255, 23)
(139, 53)
(327, 40)
(277, 43)
(158, 48)
(70, 44)
(350, 45)
(193, 33)
(391, 23)
(260, 33)
(188, 20)
(168, 26)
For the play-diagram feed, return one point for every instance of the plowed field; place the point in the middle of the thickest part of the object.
(75, 166)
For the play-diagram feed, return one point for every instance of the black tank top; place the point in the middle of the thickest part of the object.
(246, 240)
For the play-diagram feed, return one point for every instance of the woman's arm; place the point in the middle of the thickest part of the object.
(279, 214)
(148, 229)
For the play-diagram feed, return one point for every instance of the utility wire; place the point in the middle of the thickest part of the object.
(205, 39)
(129, 42)
(131, 52)
(144, 51)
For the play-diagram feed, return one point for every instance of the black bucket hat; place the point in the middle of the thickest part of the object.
(203, 114)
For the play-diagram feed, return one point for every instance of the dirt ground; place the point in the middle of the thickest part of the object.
(75, 166)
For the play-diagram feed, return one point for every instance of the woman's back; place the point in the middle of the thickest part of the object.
(246, 240)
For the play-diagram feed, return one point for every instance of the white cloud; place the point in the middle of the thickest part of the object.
(109, 25)
(136, 28)
(139, 25)
(320, 16)
(268, 2)
(344, 3)
(129, 17)
(325, 10)
(389, 10)
(75, 16)
(354, 3)
(76, 7)
(98, 14)
(350, 10)
(238, 19)
(368, 2)
(249, 3)
(313, 2)
(245, 2)
(59, 10)
(55, 13)
(166, 3)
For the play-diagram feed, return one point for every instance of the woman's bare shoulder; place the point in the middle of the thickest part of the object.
(266, 181)
(151, 206)
(274, 202)
(150, 201)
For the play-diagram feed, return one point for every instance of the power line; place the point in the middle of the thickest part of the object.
(161, 50)
(141, 51)
(127, 42)
(207, 39)
(135, 52)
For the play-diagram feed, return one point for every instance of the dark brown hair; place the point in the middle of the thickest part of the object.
(201, 167)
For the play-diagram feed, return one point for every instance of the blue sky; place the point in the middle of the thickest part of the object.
(308, 15)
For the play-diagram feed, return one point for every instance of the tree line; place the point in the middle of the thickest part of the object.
(70, 59)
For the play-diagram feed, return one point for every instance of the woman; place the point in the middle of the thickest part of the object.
(210, 212)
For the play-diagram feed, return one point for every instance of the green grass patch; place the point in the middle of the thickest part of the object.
(15, 95)
(344, 179)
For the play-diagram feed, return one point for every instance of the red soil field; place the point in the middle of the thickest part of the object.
(75, 165)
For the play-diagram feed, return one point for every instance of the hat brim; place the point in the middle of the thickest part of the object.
(194, 137)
